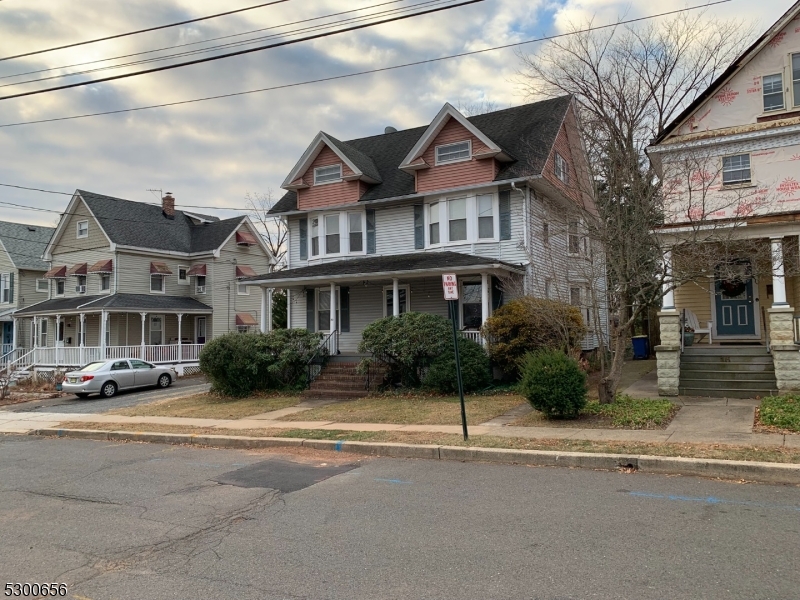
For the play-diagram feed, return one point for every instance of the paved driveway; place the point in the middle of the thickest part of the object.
(95, 404)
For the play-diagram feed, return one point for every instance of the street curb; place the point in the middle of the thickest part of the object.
(661, 465)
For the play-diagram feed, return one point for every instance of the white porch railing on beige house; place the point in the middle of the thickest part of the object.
(475, 336)
(72, 356)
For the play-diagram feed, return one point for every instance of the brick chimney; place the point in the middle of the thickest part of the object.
(168, 205)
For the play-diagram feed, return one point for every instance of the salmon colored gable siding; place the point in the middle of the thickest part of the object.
(568, 145)
(468, 172)
(330, 194)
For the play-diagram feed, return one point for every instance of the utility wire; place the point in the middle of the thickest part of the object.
(156, 28)
(240, 52)
(356, 74)
(228, 44)
(223, 37)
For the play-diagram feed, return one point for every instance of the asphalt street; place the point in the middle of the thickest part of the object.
(123, 521)
(71, 404)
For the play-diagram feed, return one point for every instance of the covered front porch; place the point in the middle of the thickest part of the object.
(345, 296)
(61, 332)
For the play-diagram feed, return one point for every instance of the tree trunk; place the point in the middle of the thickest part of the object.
(607, 388)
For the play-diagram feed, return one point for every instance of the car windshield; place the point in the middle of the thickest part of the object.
(92, 366)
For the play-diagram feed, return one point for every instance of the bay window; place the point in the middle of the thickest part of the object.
(485, 216)
(337, 233)
(796, 78)
(356, 228)
(315, 237)
(433, 223)
(457, 219)
(332, 244)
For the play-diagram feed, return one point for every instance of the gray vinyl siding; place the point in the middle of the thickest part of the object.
(69, 240)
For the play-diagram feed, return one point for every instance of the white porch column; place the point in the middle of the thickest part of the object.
(334, 324)
(668, 299)
(269, 308)
(264, 303)
(484, 297)
(103, 326)
(396, 297)
(14, 333)
(82, 336)
(58, 326)
(180, 342)
(35, 332)
(288, 309)
(144, 318)
(778, 279)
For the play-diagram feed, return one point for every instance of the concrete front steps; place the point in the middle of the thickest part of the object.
(339, 380)
(727, 372)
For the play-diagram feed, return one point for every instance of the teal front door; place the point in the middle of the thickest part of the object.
(735, 311)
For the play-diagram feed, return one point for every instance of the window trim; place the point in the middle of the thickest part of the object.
(764, 109)
(63, 283)
(438, 162)
(795, 100)
(737, 184)
(472, 219)
(5, 288)
(561, 168)
(577, 235)
(344, 238)
(239, 291)
(108, 289)
(43, 331)
(185, 280)
(317, 291)
(337, 180)
(197, 285)
(78, 229)
(163, 289)
(389, 288)
(85, 284)
(150, 330)
(47, 286)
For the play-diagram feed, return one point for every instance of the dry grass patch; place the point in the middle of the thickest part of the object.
(210, 406)
(624, 413)
(715, 451)
(412, 410)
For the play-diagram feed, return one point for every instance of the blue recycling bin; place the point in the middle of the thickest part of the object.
(641, 347)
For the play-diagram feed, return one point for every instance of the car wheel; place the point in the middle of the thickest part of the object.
(82, 395)
(109, 389)
(164, 381)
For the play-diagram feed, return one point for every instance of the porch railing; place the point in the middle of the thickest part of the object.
(75, 356)
(327, 347)
(475, 336)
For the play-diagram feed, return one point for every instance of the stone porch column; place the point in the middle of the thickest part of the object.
(785, 355)
(668, 354)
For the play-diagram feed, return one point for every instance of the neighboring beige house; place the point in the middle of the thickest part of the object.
(134, 279)
(21, 275)
(742, 135)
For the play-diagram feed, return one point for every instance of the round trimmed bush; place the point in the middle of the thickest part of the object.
(554, 384)
(475, 370)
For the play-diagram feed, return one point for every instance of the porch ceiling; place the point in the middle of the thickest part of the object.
(117, 303)
(380, 267)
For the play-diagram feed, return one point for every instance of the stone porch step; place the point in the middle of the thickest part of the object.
(707, 383)
(725, 392)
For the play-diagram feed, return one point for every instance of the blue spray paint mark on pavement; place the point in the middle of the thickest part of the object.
(392, 480)
(339, 445)
(712, 500)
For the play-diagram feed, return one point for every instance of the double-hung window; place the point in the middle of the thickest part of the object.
(43, 333)
(574, 238)
(561, 169)
(772, 86)
(355, 225)
(457, 219)
(330, 174)
(433, 223)
(105, 282)
(5, 289)
(796, 79)
(736, 169)
(332, 240)
(315, 236)
(485, 216)
(156, 284)
(60, 285)
(83, 229)
(453, 152)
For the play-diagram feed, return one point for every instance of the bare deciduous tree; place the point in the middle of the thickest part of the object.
(273, 229)
(630, 83)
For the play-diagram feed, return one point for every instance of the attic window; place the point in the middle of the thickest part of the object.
(453, 152)
(329, 174)
(83, 229)
(560, 167)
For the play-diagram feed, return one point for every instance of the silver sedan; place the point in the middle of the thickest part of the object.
(107, 377)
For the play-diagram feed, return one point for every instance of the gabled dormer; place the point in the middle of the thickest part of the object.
(330, 173)
(453, 152)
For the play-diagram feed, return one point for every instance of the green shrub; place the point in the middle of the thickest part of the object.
(529, 324)
(238, 364)
(406, 344)
(781, 411)
(475, 373)
(554, 384)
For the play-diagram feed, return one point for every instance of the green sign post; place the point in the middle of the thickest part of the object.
(450, 283)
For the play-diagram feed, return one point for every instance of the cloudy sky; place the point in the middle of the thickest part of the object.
(214, 153)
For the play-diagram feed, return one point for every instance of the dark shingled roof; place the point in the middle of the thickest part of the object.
(134, 302)
(25, 244)
(358, 158)
(526, 133)
(420, 261)
(131, 223)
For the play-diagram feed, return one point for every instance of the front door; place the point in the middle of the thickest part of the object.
(734, 300)
(200, 329)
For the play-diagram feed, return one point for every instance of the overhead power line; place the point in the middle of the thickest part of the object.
(247, 51)
(231, 44)
(214, 39)
(156, 28)
(358, 73)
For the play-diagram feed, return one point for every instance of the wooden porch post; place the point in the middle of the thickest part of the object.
(144, 317)
(35, 336)
(484, 297)
(81, 336)
(14, 333)
(58, 325)
(264, 303)
(334, 324)
(396, 297)
(180, 347)
(103, 326)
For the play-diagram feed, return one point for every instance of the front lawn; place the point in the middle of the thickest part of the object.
(625, 413)
(411, 409)
(780, 412)
(211, 406)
